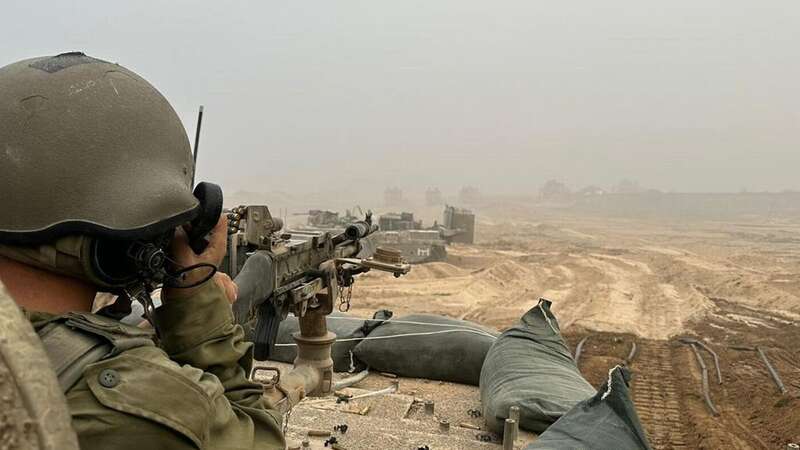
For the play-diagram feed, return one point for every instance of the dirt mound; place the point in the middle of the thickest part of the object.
(435, 270)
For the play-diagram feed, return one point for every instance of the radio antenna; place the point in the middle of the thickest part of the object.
(197, 141)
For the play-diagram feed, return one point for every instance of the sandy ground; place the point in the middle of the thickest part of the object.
(621, 282)
(618, 276)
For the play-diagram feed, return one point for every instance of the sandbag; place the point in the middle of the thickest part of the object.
(441, 348)
(530, 366)
(606, 421)
(344, 325)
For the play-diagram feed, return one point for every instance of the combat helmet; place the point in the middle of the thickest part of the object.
(88, 149)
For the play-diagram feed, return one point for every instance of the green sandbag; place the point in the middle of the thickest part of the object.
(606, 421)
(530, 366)
(349, 330)
(432, 347)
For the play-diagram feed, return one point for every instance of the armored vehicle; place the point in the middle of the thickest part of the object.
(399, 221)
(416, 246)
(323, 219)
(459, 225)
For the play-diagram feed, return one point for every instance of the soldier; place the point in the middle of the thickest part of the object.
(93, 163)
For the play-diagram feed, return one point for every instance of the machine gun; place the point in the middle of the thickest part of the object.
(302, 272)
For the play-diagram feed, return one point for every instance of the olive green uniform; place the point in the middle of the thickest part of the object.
(92, 160)
(192, 391)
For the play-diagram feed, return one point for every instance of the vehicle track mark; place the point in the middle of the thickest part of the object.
(656, 396)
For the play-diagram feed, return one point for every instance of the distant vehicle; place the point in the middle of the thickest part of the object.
(399, 222)
(459, 225)
(325, 219)
(419, 244)
(416, 246)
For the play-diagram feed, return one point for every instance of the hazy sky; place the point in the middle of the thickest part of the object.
(690, 95)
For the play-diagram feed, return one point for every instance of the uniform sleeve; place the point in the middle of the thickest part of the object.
(200, 331)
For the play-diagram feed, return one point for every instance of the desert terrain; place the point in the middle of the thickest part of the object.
(620, 282)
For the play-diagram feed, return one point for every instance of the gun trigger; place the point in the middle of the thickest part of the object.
(266, 333)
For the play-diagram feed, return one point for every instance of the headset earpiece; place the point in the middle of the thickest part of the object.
(210, 197)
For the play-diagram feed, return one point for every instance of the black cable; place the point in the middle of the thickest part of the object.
(171, 279)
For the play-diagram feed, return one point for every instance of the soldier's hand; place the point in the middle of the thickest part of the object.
(184, 256)
(231, 289)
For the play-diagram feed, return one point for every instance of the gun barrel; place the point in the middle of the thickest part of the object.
(360, 229)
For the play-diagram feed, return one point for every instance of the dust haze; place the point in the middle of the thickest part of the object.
(351, 97)
(635, 162)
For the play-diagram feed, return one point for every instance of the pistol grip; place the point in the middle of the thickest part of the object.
(266, 331)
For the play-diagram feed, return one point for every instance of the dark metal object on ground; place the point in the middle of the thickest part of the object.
(444, 426)
(706, 392)
(631, 354)
(716, 360)
(772, 372)
(709, 350)
(343, 398)
(742, 348)
(429, 407)
(474, 413)
(484, 437)
(579, 349)
(341, 428)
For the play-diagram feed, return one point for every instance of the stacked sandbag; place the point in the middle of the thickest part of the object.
(606, 421)
(349, 332)
(428, 346)
(530, 366)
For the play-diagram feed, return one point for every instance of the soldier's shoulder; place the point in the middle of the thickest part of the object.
(144, 384)
(137, 387)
